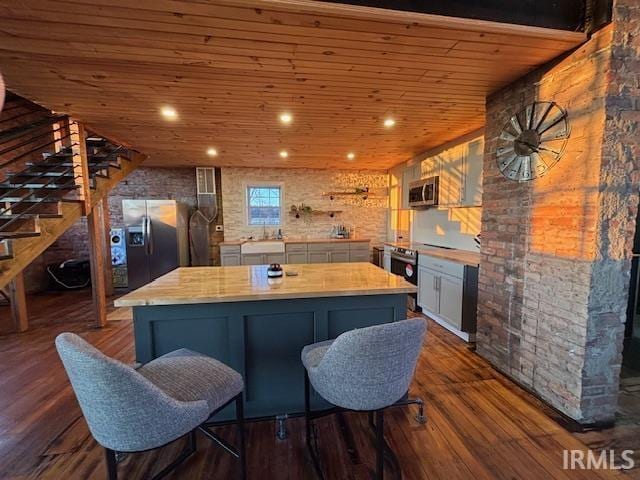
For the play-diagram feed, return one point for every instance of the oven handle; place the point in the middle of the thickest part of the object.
(403, 259)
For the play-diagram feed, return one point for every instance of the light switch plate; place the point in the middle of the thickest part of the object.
(219, 228)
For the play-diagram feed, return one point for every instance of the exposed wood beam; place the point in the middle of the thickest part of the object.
(18, 300)
(97, 240)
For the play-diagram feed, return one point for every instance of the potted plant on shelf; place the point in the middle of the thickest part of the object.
(301, 210)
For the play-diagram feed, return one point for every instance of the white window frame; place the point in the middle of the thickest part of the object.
(248, 205)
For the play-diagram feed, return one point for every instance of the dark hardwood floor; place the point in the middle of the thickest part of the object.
(480, 426)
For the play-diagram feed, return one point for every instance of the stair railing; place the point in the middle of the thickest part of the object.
(34, 150)
(27, 195)
(20, 215)
(30, 140)
(19, 131)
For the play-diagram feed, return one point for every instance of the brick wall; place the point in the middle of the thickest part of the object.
(148, 183)
(367, 217)
(555, 271)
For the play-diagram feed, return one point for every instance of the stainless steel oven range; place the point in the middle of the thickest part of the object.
(404, 262)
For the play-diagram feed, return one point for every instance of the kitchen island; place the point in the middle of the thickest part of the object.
(259, 325)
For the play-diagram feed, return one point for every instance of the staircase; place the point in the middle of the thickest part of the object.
(39, 203)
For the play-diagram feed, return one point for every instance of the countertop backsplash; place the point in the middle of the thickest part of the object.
(451, 227)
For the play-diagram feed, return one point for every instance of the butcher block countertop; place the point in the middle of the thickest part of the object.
(192, 285)
(460, 256)
(299, 240)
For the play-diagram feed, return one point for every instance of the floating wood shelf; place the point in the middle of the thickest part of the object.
(330, 213)
(363, 195)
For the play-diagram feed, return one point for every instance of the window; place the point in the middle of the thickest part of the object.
(263, 205)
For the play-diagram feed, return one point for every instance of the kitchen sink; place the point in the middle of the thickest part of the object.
(265, 246)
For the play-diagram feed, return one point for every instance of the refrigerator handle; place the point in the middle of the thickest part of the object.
(149, 236)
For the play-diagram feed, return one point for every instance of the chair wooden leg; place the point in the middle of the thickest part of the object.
(380, 444)
(112, 464)
(241, 435)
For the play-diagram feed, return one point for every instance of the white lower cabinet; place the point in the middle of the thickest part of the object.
(386, 262)
(300, 252)
(339, 256)
(450, 290)
(253, 259)
(297, 257)
(230, 259)
(441, 294)
(318, 257)
(428, 297)
(262, 258)
(270, 258)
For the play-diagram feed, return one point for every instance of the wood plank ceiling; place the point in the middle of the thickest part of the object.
(230, 67)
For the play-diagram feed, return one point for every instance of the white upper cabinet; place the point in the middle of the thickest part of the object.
(430, 167)
(460, 172)
(451, 176)
(409, 174)
(473, 173)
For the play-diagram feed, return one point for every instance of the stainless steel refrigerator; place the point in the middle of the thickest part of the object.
(157, 238)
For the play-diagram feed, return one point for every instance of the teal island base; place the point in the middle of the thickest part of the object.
(261, 339)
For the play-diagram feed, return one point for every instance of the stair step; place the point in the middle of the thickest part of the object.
(9, 235)
(36, 186)
(5, 250)
(17, 224)
(55, 158)
(15, 195)
(31, 215)
(43, 175)
(33, 199)
(92, 166)
(44, 208)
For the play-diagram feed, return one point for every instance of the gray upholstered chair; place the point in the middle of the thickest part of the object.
(131, 410)
(366, 369)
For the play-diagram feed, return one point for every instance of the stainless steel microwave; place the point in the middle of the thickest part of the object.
(423, 193)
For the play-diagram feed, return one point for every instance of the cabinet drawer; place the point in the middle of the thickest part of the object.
(445, 266)
(328, 247)
(274, 258)
(230, 259)
(297, 257)
(360, 246)
(318, 257)
(295, 247)
(229, 249)
(359, 256)
(339, 257)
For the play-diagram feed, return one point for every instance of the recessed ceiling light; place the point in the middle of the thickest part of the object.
(212, 152)
(286, 118)
(389, 122)
(169, 113)
(351, 155)
(284, 154)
